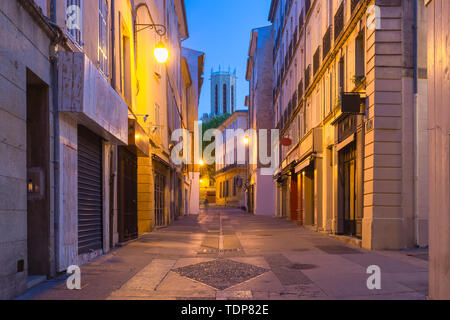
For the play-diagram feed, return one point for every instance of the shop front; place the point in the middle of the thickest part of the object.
(349, 155)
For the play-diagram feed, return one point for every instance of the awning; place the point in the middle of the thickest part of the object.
(305, 163)
(345, 143)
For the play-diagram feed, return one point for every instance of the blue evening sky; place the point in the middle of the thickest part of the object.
(221, 29)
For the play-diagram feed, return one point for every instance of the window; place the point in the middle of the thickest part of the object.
(157, 119)
(224, 98)
(103, 36)
(217, 99)
(74, 20)
(232, 99)
(359, 58)
(126, 69)
(341, 75)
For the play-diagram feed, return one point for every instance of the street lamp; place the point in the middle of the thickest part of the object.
(246, 140)
(161, 52)
(201, 163)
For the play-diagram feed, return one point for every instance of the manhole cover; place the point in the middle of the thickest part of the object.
(221, 274)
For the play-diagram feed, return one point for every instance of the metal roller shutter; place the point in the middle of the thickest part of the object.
(90, 204)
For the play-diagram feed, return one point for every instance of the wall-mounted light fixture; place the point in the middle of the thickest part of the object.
(145, 116)
(161, 52)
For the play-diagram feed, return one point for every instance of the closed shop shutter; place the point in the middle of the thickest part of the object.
(90, 202)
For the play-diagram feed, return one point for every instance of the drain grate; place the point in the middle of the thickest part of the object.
(221, 274)
(212, 251)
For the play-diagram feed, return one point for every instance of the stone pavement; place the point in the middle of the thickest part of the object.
(228, 254)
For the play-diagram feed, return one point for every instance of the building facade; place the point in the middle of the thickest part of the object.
(349, 96)
(86, 139)
(223, 92)
(261, 114)
(232, 161)
(438, 17)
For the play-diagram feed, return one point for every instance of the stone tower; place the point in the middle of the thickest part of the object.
(223, 92)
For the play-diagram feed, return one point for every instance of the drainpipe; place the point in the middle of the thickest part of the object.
(56, 141)
(415, 126)
(113, 44)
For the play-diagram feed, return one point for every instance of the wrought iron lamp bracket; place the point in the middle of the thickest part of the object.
(160, 29)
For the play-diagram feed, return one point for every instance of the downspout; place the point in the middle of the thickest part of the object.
(415, 126)
(113, 44)
(56, 141)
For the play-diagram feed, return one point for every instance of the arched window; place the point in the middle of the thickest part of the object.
(224, 98)
(232, 99)
(217, 99)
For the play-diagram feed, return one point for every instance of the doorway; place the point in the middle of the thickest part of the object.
(127, 180)
(308, 196)
(38, 176)
(347, 179)
(294, 197)
(160, 196)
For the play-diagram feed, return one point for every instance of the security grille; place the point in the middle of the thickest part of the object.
(90, 200)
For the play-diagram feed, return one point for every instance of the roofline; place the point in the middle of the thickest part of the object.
(231, 117)
(183, 11)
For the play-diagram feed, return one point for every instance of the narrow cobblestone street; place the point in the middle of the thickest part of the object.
(228, 254)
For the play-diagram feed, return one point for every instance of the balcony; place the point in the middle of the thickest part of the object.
(89, 98)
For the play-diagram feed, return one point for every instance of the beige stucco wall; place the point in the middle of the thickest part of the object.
(24, 45)
(438, 12)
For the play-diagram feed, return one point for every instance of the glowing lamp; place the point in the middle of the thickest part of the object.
(161, 52)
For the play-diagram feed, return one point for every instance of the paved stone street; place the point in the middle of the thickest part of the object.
(228, 254)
